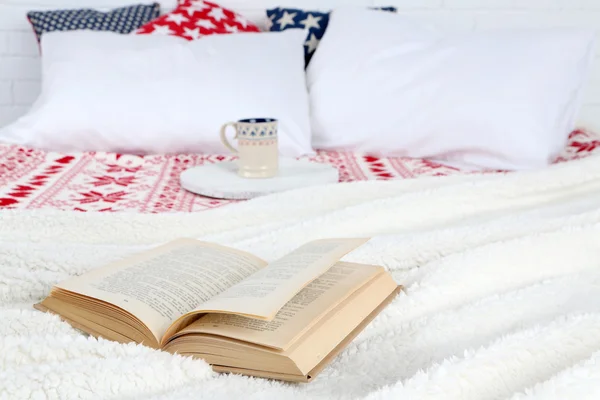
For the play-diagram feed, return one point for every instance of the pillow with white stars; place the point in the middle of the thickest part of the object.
(193, 19)
(315, 22)
(120, 20)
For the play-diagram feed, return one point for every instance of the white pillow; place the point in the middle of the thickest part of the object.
(103, 91)
(504, 99)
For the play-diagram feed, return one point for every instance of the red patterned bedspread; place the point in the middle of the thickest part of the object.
(113, 182)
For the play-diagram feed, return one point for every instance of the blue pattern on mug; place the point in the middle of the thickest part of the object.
(257, 128)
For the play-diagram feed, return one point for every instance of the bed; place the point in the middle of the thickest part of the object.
(500, 269)
(501, 300)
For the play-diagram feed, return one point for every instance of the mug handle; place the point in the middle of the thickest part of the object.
(224, 136)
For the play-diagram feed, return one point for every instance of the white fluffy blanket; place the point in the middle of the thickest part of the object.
(502, 300)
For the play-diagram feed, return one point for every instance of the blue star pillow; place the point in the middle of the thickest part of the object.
(120, 20)
(316, 22)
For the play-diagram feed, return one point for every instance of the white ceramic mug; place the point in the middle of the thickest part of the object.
(257, 148)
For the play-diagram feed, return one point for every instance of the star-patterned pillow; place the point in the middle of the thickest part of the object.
(316, 22)
(122, 20)
(193, 19)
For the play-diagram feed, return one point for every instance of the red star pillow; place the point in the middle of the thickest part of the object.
(193, 19)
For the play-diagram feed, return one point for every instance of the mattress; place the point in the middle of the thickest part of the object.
(109, 182)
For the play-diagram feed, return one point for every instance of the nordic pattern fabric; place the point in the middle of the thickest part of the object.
(112, 182)
(315, 22)
(121, 20)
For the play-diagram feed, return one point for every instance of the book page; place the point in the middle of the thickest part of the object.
(298, 315)
(162, 284)
(263, 294)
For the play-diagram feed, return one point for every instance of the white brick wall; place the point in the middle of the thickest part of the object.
(19, 61)
(20, 70)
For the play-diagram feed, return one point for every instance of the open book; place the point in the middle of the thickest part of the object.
(282, 320)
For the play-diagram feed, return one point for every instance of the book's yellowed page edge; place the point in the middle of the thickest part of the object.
(160, 285)
(261, 374)
(263, 294)
(324, 362)
(332, 329)
(355, 332)
(84, 328)
(299, 314)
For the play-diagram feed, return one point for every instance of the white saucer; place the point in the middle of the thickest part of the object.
(221, 180)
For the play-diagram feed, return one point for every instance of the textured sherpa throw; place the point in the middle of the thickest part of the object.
(502, 299)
